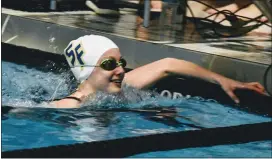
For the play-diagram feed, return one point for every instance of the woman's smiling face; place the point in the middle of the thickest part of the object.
(108, 81)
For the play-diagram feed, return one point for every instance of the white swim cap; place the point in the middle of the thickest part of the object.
(86, 51)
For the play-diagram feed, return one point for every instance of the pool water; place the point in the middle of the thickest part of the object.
(33, 124)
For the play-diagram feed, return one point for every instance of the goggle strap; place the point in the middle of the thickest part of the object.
(118, 63)
(84, 66)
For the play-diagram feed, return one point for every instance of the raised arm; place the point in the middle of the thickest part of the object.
(147, 75)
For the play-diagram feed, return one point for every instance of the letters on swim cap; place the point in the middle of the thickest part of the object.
(86, 50)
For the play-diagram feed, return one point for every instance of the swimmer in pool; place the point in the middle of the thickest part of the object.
(97, 64)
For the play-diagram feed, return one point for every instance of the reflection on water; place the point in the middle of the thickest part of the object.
(249, 48)
(248, 149)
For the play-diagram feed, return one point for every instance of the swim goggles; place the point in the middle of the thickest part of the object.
(109, 64)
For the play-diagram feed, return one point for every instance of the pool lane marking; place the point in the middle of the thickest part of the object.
(237, 134)
(5, 24)
(12, 38)
(212, 62)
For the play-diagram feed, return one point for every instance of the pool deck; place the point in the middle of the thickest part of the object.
(244, 58)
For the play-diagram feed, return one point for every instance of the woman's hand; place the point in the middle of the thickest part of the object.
(229, 86)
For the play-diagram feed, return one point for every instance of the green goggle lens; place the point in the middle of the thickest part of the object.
(110, 64)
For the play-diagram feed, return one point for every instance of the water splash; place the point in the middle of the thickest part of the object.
(27, 86)
(55, 92)
(30, 86)
(129, 97)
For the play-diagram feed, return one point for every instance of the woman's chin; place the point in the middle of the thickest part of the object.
(114, 89)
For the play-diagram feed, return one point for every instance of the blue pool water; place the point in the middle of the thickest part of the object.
(32, 124)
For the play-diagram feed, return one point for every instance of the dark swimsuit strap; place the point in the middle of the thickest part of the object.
(69, 97)
(75, 98)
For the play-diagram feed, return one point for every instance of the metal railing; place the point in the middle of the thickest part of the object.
(265, 6)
